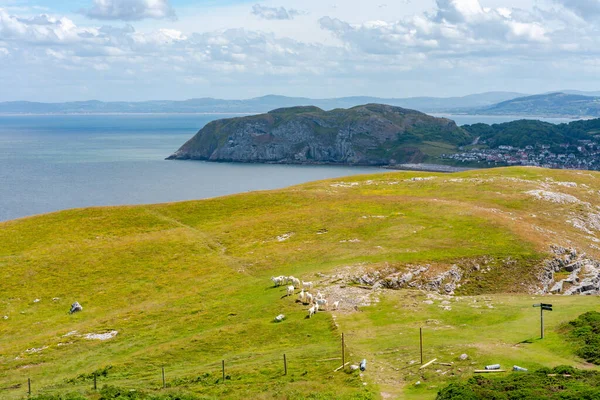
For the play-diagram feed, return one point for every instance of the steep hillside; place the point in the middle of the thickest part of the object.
(187, 285)
(553, 104)
(366, 135)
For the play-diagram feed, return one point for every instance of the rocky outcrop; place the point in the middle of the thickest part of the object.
(584, 273)
(366, 135)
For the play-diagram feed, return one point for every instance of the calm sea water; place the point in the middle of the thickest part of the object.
(50, 163)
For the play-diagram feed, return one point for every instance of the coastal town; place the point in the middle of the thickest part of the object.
(583, 155)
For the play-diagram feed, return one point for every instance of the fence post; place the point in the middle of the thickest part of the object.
(163, 377)
(343, 353)
(284, 365)
(223, 364)
(421, 341)
(29, 386)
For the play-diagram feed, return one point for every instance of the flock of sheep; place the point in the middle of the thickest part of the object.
(317, 302)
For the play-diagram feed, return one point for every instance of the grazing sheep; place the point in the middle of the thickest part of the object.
(307, 285)
(302, 296)
(290, 290)
(308, 297)
(311, 311)
(320, 296)
(278, 280)
(316, 306)
(322, 303)
(295, 281)
(336, 305)
(75, 307)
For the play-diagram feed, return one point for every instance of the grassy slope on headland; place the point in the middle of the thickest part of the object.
(186, 285)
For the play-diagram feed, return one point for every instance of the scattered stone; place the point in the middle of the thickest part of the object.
(463, 357)
(417, 383)
(285, 236)
(75, 307)
(354, 367)
(554, 197)
(72, 333)
(428, 301)
(55, 298)
(35, 350)
(36, 301)
(101, 336)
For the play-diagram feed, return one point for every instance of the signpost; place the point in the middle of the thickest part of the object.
(543, 307)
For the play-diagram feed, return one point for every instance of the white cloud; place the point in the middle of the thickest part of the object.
(457, 27)
(130, 10)
(456, 47)
(274, 13)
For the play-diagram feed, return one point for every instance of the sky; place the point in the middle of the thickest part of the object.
(134, 50)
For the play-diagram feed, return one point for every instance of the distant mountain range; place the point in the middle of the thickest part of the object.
(255, 105)
(552, 104)
(568, 103)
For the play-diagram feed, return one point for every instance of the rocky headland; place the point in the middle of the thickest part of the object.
(372, 134)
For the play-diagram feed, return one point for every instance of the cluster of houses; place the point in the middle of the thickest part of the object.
(584, 155)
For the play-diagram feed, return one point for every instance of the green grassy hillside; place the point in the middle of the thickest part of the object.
(186, 285)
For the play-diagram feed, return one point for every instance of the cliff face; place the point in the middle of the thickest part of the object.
(365, 135)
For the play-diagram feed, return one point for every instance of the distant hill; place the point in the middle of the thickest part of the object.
(531, 132)
(255, 105)
(371, 134)
(553, 104)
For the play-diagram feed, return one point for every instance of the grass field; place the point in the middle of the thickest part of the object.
(186, 285)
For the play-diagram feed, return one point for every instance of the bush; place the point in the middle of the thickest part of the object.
(528, 386)
(584, 332)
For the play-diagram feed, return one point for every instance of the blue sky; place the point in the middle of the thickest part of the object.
(176, 49)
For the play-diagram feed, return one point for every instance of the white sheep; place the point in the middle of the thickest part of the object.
(320, 296)
(316, 306)
(302, 296)
(336, 305)
(290, 290)
(322, 303)
(295, 281)
(311, 311)
(307, 285)
(277, 280)
(308, 298)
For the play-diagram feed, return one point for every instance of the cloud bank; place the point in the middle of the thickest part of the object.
(274, 13)
(454, 48)
(130, 10)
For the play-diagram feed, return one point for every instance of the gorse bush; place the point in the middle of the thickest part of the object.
(542, 384)
(584, 332)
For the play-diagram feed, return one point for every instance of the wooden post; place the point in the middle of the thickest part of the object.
(542, 321)
(29, 386)
(343, 352)
(284, 365)
(421, 342)
(223, 364)
(163, 377)
(95, 385)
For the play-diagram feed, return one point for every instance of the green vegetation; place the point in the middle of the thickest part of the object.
(187, 285)
(534, 133)
(585, 333)
(541, 384)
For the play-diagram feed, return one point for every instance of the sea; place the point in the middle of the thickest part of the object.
(56, 162)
